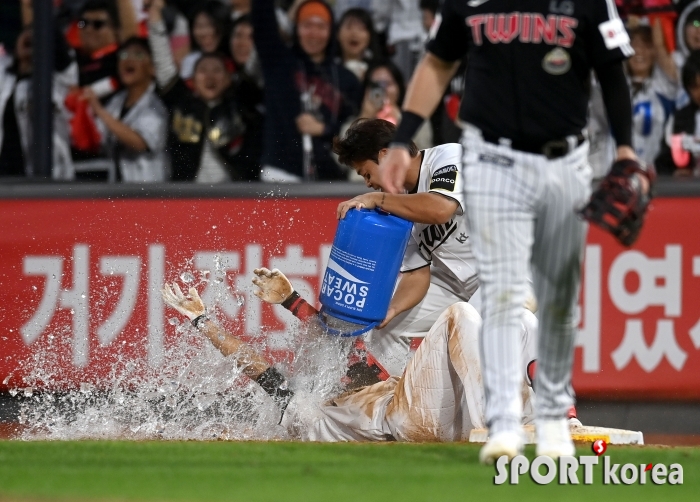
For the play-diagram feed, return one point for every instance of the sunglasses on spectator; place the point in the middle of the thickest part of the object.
(97, 24)
(136, 56)
(696, 23)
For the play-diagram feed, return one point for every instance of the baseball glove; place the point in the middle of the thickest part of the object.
(618, 204)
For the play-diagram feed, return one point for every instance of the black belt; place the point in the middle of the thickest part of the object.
(553, 149)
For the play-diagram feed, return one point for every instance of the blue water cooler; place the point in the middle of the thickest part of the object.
(363, 268)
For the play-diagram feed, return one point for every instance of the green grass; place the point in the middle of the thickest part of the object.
(252, 471)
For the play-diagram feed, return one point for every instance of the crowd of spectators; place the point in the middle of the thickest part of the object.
(212, 91)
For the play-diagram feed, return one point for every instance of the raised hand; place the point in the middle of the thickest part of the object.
(274, 285)
(191, 306)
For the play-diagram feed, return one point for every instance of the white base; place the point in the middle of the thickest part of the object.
(580, 434)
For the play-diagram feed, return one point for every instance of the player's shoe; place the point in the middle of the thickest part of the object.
(554, 438)
(508, 443)
(573, 418)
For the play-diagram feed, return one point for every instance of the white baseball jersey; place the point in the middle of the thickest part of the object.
(438, 398)
(445, 247)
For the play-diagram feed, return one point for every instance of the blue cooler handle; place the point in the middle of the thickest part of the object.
(337, 332)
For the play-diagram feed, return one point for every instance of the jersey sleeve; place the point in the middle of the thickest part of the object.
(607, 38)
(449, 39)
(412, 258)
(446, 174)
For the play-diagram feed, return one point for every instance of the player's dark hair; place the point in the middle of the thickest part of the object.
(691, 70)
(364, 140)
(104, 6)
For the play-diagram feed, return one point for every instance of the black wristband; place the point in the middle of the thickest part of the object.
(275, 385)
(199, 320)
(410, 123)
(290, 300)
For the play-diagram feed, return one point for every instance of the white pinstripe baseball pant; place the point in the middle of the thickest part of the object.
(522, 211)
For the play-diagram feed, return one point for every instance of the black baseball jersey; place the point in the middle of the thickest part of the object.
(529, 61)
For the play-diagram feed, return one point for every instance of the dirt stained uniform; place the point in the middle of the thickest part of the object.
(439, 397)
(525, 162)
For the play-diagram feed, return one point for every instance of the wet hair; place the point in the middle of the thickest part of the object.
(642, 32)
(691, 70)
(365, 18)
(364, 140)
(395, 74)
(139, 42)
(101, 5)
(217, 14)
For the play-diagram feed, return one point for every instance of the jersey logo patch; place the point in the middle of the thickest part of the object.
(499, 160)
(556, 62)
(614, 33)
(444, 178)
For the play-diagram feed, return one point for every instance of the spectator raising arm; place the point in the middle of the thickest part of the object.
(664, 60)
(166, 70)
(128, 23)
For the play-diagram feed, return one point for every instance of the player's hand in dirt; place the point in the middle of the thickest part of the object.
(364, 201)
(393, 168)
(191, 306)
(274, 285)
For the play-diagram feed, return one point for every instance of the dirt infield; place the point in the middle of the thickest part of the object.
(10, 430)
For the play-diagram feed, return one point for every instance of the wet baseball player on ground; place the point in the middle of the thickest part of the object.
(438, 268)
(439, 397)
(523, 113)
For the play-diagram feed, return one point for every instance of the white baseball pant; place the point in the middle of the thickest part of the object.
(522, 212)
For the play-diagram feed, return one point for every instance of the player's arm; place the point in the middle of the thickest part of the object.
(412, 288)
(429, 208)
(275, 288)
(427, 86)
(253, 364)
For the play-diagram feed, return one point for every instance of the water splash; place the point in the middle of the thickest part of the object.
(197, 394)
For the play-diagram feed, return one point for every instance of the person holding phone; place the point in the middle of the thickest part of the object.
(383, 92)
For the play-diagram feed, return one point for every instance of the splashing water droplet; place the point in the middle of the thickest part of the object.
(7, 379)
(240, 300)
(173, 321)
(186, 277)
(13, 392)
(82, 296)
(28, 391)
(34, 288)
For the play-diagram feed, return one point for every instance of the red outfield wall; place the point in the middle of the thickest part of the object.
(80, 279)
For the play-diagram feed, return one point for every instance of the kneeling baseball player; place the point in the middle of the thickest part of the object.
(439, 396)
(438, 268)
